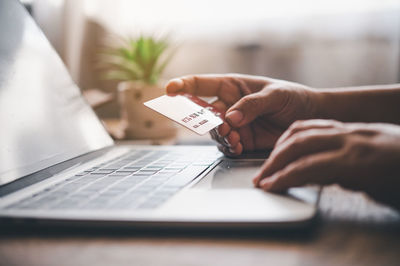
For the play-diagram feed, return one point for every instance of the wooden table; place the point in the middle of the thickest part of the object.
(350, 230)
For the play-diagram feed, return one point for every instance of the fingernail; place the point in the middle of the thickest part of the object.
(234, 117)
(175, 84)
(178, 82)
(231, 150)
(263, 183)
(255, 181)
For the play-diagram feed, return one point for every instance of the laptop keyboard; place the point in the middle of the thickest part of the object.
(139, 179)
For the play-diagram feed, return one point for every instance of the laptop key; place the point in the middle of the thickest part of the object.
(130, 168)
(98, 175)
(124, 173)
(117, 175)
(103, 171)
(81, 174)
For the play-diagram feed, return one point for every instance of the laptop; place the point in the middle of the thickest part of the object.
(59, 165)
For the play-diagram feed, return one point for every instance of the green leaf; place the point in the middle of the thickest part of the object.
(141, 59)
(164, 64)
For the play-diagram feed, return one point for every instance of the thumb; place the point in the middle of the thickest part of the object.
(247, 109)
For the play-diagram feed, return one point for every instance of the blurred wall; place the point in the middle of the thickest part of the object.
(341, 48)
(329, 51)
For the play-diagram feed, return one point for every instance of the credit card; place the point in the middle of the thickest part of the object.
(189, 111)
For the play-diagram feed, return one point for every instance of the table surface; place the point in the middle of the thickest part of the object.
(350, 229)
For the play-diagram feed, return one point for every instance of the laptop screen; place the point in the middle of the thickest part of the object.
(43, 117)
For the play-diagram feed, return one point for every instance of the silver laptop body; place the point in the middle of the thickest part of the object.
(59, 165)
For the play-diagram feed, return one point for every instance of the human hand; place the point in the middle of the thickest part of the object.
(258, 109)
(357, 156)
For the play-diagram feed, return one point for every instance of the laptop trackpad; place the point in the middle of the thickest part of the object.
(231, 174)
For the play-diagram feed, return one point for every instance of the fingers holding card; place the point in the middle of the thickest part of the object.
(189, 111)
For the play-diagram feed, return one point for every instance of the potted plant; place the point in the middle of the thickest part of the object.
(138, 65)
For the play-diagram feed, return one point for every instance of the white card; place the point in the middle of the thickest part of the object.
(187, 110)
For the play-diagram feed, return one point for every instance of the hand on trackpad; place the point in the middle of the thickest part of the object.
(231, 174)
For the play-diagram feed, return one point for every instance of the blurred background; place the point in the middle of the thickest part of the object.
(318, 43)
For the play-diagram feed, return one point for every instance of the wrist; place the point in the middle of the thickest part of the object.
(318, 102)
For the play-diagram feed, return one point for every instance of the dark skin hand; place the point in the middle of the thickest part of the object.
(258, 109)
(357, 156)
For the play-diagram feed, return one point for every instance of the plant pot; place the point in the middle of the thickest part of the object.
(139, 121)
